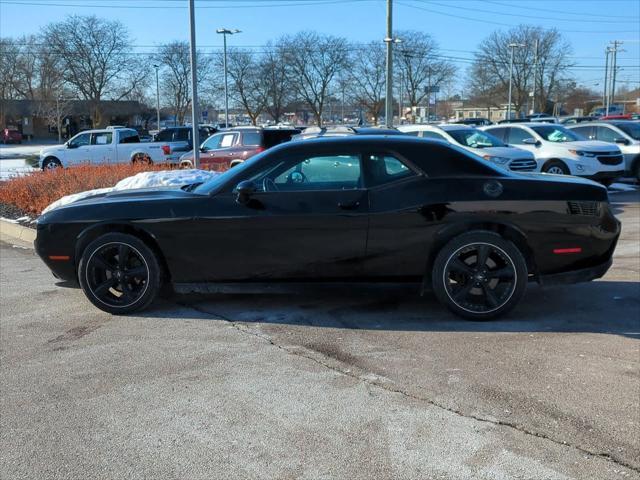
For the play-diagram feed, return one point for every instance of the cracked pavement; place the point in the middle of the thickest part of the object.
(361, 383)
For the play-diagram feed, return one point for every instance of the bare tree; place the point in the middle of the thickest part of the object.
(97, 59)
(175, 62)
(367, 78)
(273, 70)
(247, 85)
(313, 61)
(421, 65)
(490, 70)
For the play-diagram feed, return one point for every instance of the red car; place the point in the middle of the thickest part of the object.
(228, 148)
(617, 117)
(11, 135)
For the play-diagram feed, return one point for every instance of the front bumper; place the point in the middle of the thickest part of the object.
(576, 276)
(598, 177)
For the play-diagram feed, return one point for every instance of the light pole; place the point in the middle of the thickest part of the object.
(157, 95)
(195, 137)
(512, 46)
(224, 32)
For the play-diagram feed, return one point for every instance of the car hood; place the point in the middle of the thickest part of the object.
(592, 146)
(137, 195)
(52, 149)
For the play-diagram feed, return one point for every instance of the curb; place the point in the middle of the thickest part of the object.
(17, 232)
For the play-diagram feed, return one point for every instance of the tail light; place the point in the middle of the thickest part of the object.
(260, 149)
(166, 149)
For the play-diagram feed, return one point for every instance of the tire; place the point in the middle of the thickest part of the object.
(636, 171)
(479, 292)
(103, 273)
(186, 165)
(51, 163)
(556, 167)
(235, 163)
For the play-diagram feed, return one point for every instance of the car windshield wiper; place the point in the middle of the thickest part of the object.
(191, 186)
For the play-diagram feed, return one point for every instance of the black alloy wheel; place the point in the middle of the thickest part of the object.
(119, 273)
(479, 275)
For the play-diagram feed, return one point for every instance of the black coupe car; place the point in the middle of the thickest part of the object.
(353, 209)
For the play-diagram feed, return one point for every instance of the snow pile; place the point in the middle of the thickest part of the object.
(165, 178)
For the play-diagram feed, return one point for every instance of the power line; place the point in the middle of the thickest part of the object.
(554, 11)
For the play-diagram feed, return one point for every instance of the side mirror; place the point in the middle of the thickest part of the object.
(531, 141)
(70, 145)
(622, 141)
(204, 149)
(244, 190)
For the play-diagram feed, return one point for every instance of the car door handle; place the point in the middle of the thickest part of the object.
(349, 206)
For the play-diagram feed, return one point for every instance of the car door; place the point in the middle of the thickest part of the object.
(102, 148)
(398, 226)
(516, 136)
(79, 149)
(306, 220)
(586, 131)
(218, 159)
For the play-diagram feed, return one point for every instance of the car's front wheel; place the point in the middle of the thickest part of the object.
(556, 167)
(119, 273)
(51, 163)
(479, 275)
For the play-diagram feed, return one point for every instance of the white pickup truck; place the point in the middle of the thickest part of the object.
(105, 147)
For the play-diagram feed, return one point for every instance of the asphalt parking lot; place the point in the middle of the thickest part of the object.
(370, 383)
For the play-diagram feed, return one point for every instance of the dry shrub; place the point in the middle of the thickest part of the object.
(34, 192)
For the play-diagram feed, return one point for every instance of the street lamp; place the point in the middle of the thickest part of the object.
(512, 46)
(224, 32)
(157, 96)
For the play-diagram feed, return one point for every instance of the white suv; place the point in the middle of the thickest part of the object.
(624, 133)
(559, 150)
(478, 142)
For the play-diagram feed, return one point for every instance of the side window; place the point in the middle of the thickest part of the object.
(102, 138)
(181, 135)
(432, 135)
(586, 132)
(227, 140)
(607, 134)
(251, 138)
(212, 142)
(331, 172)
(164, 136)
(499, 133)
(383, 169)
(517, 135)
(81, 140)
(129, 137)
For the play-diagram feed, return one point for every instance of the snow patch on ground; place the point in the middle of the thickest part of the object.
(622, 187)
(165, 178)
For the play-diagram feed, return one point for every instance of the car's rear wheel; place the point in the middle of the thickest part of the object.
(51, 163)
(479, 275)
(556, 167)
(142, 159)
(119, 273)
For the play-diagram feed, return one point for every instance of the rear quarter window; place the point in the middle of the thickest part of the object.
(251, 138)
(442, 161)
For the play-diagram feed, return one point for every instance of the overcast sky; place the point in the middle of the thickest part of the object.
(457, 25)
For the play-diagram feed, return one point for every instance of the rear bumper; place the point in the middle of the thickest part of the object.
(576, 276)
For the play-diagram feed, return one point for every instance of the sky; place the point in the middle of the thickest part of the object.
(457, 25)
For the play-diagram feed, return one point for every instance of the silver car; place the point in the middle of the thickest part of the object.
(478, 142)
(624, 133)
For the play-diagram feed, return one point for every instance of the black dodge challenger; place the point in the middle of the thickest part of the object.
(353, 209)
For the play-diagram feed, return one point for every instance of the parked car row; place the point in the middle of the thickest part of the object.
(592, 150)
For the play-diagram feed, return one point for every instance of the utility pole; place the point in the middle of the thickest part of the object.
(194, 87)
(342, 106)
(428, 93)
(535, 78)
(400, 99)
(157, 95)
(614, 69)
(605, 92)
(388, 107)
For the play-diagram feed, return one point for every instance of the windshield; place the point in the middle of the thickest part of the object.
(557, 134)
(471, 137)
(631, 129)
(237, 171)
